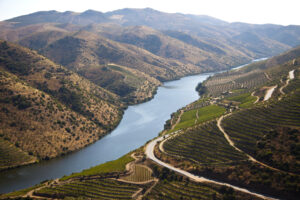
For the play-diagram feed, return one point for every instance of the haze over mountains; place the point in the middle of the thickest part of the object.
(110, 60)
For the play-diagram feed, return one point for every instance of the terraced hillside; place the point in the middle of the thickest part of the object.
(11, 155)
(253, 76)
(47, 110)
(93, 189)
(204, 145)
(254, 128)
(265, 126)
(177, 189)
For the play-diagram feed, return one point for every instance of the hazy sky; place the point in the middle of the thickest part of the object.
(251, 11)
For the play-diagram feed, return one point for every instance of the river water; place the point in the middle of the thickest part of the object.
(140, 123)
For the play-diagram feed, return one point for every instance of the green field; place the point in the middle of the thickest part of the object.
(111, 166)
(245, 100)
(206, 113)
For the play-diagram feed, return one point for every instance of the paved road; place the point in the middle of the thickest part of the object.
(150, 154)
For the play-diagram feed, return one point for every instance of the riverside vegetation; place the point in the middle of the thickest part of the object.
(266, 130)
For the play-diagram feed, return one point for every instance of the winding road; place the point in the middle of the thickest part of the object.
(231, 143)
(257, 98)
(150, 154)
(290, 77)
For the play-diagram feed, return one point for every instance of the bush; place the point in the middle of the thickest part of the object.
(68, 129)
(48, 75)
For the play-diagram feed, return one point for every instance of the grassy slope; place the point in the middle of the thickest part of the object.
(111, 166)
(206, 113)
(19, 192)
(245, 100)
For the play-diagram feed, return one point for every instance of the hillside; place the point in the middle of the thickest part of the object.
(47, 110)
(235, 144)
(165, 46)
(254, 144)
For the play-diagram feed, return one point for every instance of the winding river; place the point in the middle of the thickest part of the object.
(140, 123)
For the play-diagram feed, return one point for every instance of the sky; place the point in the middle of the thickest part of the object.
(284, 12)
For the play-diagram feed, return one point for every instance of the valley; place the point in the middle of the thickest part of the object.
(229, 162)
(103, 106)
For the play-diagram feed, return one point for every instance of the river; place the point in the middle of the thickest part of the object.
(140, 123)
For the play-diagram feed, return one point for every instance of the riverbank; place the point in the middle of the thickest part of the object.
(139, 124)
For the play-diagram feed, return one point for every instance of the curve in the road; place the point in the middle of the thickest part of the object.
(257, 98)
(290, 77)
(150, 154)
(231, 143)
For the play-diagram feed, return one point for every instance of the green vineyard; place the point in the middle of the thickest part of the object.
(10, 155)
(245, 100)
(252, 129)
(197, 116)
(191, 190)
(140, 174)
(235, 80)
(90, 189)
(203, 144)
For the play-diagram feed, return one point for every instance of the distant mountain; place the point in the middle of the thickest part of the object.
(253, 40)
(53, 16)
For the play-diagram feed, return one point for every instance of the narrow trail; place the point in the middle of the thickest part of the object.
(284, 86)
(31, 195)
(178, 120)
(134, 182)
(137, 193)
(267, 76)
(140, 197)
(231, 143)
(197, 116)
(290, 77)
(257, 98)
(150, 154)
(130, 167)
(269, 93)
